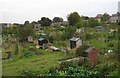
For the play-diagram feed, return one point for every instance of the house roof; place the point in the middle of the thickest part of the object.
(74, 39)
(116, 15)
(88, 49)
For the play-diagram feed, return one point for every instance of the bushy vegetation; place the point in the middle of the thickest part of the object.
(68, 32)
(73, 69)
(81, 50)
(28, 53)
(29, 72)
(59, 36)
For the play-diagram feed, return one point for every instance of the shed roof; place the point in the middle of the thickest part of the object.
(40, 39)
(88, 49)
(74, 39)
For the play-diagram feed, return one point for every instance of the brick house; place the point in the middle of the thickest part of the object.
(92, 55)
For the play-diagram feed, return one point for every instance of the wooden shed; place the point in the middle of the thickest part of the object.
(42, 42)
(75, 42)
(92, 55)
(30, 39)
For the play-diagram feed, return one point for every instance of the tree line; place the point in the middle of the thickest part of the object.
(74, 21)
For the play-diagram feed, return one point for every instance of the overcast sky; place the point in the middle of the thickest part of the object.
(18, 11)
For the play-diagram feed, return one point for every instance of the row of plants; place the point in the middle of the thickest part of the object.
(73, 69)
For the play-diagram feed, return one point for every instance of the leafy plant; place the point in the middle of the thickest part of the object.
(28, 53)
(80, 50)
(29, 72)
(80, 71)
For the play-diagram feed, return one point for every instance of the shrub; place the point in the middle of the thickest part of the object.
(28, 53)
(66, 64)
(29, 72)
(80, 50)
(88, 36)
(68, 32)
(50, 39)
(86, 62)
(78, 71)
(111, 45)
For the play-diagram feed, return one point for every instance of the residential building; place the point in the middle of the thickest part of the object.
(37, 27)
(85, 18)
(115, 18)
(98, 17)
(5, 25)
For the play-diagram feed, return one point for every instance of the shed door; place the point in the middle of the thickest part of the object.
(72, 44)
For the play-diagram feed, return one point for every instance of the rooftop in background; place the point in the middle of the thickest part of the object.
(116, 15)
(5, 25)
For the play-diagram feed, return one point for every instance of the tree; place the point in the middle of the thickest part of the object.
(57, 19)
(34, 22)
(5, 31)
(25, 31)
(68, 32)
(81, 24)
(26, 23)
(92, 23)
(74, 18)
(29, 29)
(45, 21)
(105, 17)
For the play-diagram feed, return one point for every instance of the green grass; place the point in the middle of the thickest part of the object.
(45, 61)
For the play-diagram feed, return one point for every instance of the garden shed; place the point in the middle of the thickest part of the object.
(92, 55)
(42, 42)
(75, 42)
(30, 39)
